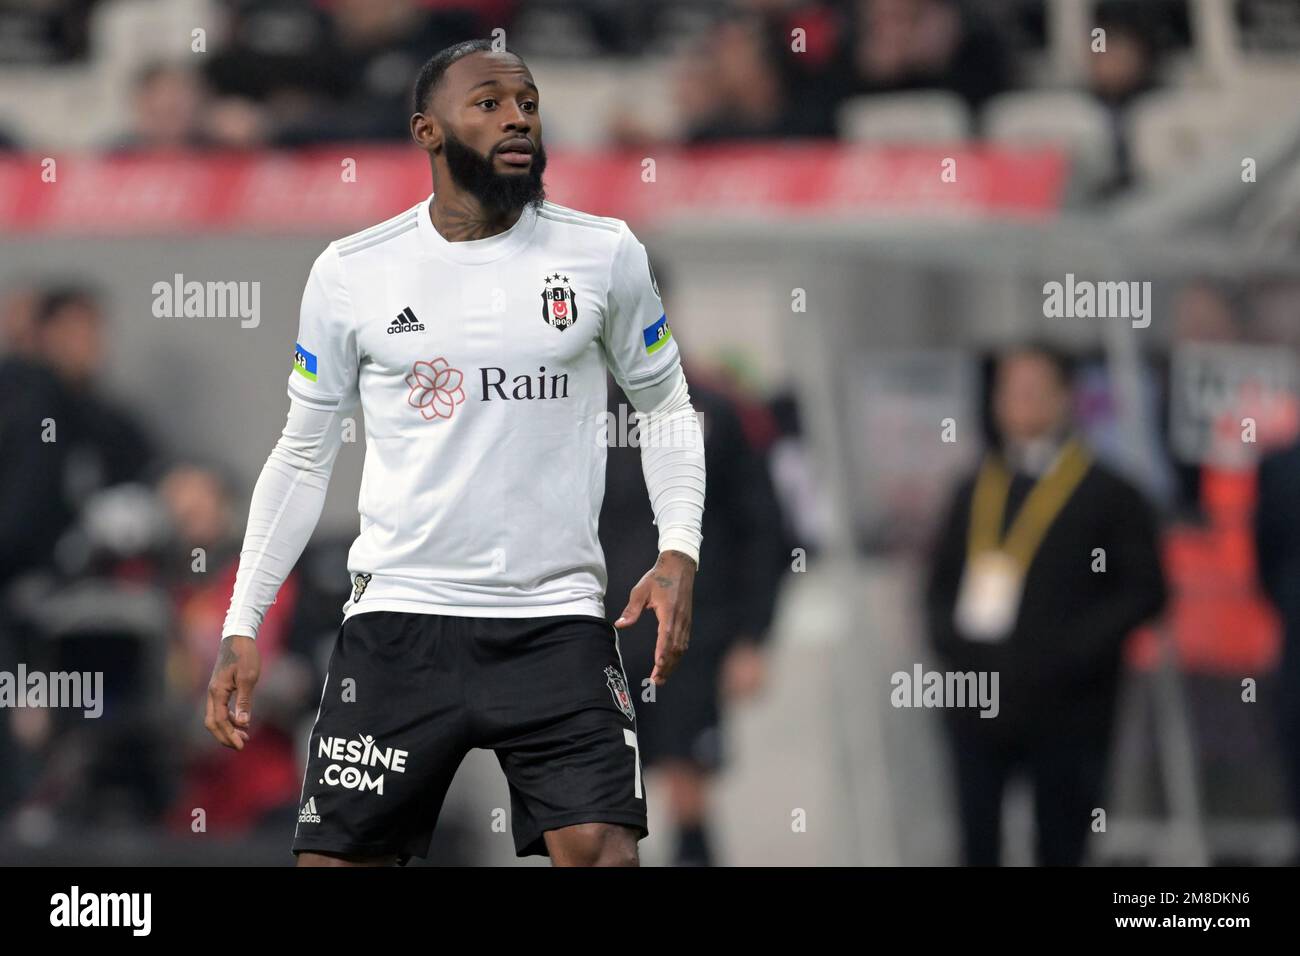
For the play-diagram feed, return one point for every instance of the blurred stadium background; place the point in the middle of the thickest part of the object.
(814, 262)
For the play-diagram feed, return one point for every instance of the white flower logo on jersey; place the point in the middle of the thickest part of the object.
(435, 389)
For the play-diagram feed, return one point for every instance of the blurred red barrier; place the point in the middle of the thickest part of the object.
(346, 187)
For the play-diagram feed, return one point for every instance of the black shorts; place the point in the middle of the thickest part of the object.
(407, 696)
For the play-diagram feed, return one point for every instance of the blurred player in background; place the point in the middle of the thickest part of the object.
(1045, 564)
(476, 330)
(679, 725)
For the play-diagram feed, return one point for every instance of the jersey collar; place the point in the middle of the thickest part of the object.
(476, 251)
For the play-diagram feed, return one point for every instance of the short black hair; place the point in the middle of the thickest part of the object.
(435, 68)
(1061, 361)
(55, 299)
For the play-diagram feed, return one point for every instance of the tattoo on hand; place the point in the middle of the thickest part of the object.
(227, 655)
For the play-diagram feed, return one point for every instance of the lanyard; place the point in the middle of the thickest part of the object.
(1040, 509)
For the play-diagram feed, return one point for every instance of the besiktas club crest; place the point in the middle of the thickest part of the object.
(618, 690)
(559, 302)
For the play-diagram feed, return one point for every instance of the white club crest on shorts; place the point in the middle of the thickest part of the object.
(618, 689)
(559, 302)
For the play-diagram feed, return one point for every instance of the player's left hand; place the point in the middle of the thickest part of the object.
(744, 671)
(667, 588)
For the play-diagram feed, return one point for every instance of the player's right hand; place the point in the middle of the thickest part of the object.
(236, 672)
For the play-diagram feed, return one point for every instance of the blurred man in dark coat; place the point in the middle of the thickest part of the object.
(63, 437)
(1277, 542)
(1046, 562)
(62, 440)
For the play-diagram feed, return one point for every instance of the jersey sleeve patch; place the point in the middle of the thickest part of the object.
(657, 335)
(304, 362)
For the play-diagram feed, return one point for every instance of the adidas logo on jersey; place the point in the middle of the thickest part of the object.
(405, 322)
(308, 812)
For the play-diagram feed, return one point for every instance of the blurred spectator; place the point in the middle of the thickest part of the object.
(18, 321)
(274, 57)
(926, 44)
(1204, 312)
(166, 109)
(1120, 74)
(1277, 537)
(678, 728)
(1271, 304)
(1099, 420)
(197, 498)
(43, 32)
(380, 46)
(1127, 66)
(61, 443)
(97, 613)
(173, 108)
(239, 793)
(729, 88)
(63, 438)
(1015, 589)
(797, 478)
(158, 567)
(342, 72)
(618, 28)
(744, 81)
(810, 75)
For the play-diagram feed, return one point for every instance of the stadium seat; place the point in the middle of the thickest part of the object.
(924, 117)
(1172, 129)
(1072, 120)
(580, 96)
(34, 103)
(126, 34)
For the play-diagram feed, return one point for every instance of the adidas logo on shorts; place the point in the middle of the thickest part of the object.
(405, 322)
(308, 812)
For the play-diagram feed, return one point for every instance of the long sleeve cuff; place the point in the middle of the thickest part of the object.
(672, 460)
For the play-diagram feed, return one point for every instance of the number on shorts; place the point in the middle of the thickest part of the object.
(629, 738)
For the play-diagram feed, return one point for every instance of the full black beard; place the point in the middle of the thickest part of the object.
(497, 193)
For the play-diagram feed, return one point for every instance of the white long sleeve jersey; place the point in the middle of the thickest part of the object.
(480, 369)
